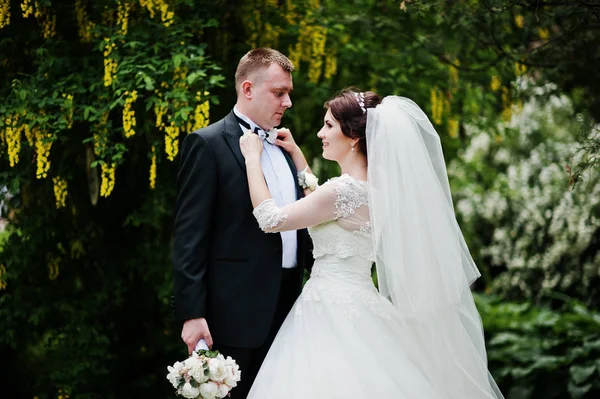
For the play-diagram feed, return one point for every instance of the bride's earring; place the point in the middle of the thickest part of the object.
(352, 146)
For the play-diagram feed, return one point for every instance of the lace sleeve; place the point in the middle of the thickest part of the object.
(314, 209)
(350, 195)
(268, 215)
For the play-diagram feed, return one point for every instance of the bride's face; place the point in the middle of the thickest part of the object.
(336, 145)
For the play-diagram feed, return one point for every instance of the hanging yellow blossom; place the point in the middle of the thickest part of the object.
(171, 136)
(319, 38)
(201, 113)
(47, 19)
(330, 65)
(543, 33)
(101, 136)
(108, 180)
(26, 8)
(83, 22)
(166, 15)
(13, 139)
(519, 20)
(294, 54)
(129, 121)
(4, 13)
(123, 16)
(269, 36)
(495, 83)
(110, 64)
(160, 110)
(153, 170)
(60, 191)
(506, 105)
(2, 277)
(453, 77)
(520, 69)
(43, 144)
(453, 127)
(290, 14)
(437, 105)
(53, 267)
(27, 133)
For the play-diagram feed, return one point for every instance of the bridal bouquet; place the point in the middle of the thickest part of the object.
(204, 375)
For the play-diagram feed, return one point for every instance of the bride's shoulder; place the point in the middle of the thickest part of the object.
(346, 180)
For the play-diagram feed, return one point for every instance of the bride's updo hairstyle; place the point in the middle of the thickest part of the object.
(349, 108)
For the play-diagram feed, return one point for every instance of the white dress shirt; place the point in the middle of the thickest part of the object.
(282, 187)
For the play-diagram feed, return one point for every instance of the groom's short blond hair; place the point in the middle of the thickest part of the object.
(259, 59)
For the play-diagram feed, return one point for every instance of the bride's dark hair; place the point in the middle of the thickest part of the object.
(347, 109)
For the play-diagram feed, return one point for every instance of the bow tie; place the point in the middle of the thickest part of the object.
(270, 135)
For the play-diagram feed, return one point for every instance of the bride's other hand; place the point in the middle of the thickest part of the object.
(286, 141)
(251, 146)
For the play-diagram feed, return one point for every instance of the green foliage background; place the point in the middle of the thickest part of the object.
(84, 304)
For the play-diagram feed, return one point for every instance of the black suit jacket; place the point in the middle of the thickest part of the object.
(225, 268)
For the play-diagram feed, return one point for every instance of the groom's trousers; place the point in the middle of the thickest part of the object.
(250, 359)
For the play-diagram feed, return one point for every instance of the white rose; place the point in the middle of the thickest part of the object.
(174, 375)
(209, 390)
(311, 181)
(223, 390)
(188, 391)
(216, 369)
(197, 373)
(233, 373)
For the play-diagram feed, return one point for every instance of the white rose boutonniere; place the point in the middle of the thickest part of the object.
(308, 180)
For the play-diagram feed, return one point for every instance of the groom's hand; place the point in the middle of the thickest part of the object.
(193, 331)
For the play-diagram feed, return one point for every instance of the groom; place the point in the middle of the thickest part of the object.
(234, 284)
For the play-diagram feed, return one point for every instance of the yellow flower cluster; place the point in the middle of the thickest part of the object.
(153, 170)
(83, 21)
(69, 108)
(330, 65)
(60, 191)
(519, 20)
(270, 35)
(53, 267)
(453, 72)
(315, 67)
(13, 139)
(171, 136)
(495, 83)
(453, 127)
(62, 395)
(26, 8)
(129, 121)
(166, 15)
(506, 105)
(110, 64)
(290, 14)
(4, 13)
(108, 180)
(2, 277)
(27, 132)
(123, 16)
(160, 110)
(437, 105)
(543, 33)
(520, 68)
(201, 113)
(47, 19)
(42, 149)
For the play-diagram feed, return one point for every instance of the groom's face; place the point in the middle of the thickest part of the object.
(271, 96)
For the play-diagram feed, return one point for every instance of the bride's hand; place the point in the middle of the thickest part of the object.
(286, 141)
(251, 146)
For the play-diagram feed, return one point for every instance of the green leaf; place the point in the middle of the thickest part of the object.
(578, 391)
(580, 374)
(177, 58)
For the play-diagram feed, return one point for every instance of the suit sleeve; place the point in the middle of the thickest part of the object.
(196, 181)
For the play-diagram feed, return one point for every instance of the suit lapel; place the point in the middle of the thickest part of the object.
(232, 133)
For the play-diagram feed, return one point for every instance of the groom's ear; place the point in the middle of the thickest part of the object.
(247, 88)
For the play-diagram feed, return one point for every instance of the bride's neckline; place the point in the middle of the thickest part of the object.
(354, 178)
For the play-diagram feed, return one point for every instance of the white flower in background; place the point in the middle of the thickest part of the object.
(209, 390)
(188, 391)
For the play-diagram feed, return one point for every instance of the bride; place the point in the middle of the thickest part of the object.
(419, 335)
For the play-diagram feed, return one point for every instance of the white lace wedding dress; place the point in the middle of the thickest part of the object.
(342, 339)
